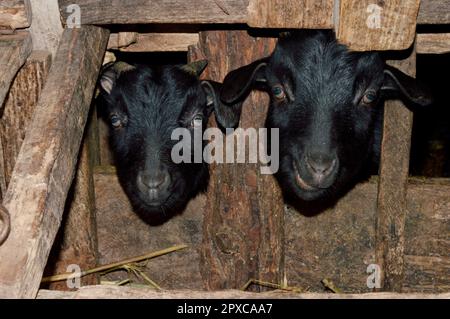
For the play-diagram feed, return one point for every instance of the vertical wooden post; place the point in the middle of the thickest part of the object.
(394, 168)
(76, 242)
(243, 230)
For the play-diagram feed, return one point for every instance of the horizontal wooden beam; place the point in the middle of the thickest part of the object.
(14, 14)
(434, 12)
(152, 42)
(219, 11)
(46, 163)
(117, 292)
(14, 51)
(433, 43)
(159, 11)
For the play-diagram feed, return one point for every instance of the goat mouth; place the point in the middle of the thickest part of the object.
(300, 182)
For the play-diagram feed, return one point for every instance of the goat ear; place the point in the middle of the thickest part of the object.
(397, 84)
(238, 83)
(111, 72)
(227, 116)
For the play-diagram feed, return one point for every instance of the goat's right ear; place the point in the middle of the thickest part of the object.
(238, 83)
(110, 73)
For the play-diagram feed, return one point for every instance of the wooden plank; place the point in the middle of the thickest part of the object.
(394, 169)
(388, 25)
(76, 242)
(434, 12)
(46, 28)
(45, 167)
(433, 43)
(14, 14)
(121, 39)
(14, 51)
(109, 291)
(301, 14)
(19, 108)
(339, 243)
(243, 222)
(159, 11)
(161, 42)
(115, 219)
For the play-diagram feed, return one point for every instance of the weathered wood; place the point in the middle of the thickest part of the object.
(394, 169)
(434, 12)
(160, 11)
(302, 14)
(121, 39)
(161, 42)
(46, 162)
(46, 28)
(387, 25)
(76, 242)
(19, 108)
(14, 51)
(243, 222)
(5, 224)
(108, 291)
(339, 243)
(433, 43)
(122, 234)
(14, 14)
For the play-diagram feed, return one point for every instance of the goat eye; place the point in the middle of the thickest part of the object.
(369, 97)
(115, 121)
(197, 121)
(278, 92)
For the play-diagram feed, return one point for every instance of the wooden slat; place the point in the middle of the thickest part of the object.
(159, 11)
(19, 108)
(394, 169)
(162, 42)
(14, 14)
(14, 51)
(121, 39)
(395, 30)
(302, 14)
(46, 162)
(243, 222)
(46, 28)
(109, 291)
(433, 43)
(76, 242)
(434, 12)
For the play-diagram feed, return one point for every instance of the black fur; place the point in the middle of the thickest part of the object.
(150, 103)
(323, 118)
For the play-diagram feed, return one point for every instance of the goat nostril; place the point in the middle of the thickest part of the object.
(155, 181)
(321, 167)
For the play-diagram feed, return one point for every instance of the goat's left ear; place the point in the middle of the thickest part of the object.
(397, 84)
(226, 115)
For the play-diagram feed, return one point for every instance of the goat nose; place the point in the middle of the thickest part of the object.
(320, 165)
(155, 180)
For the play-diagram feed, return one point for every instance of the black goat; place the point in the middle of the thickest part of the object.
(325, 102)
(143, 106)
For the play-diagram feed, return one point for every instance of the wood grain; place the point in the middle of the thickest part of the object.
(14, 51)
(394, 30)
(106, 291)
(161, 42)
(301, 14)
(46, 163)
(434, 12)
(433, 43)
(243, 223)
(394, 169)
(14, 14)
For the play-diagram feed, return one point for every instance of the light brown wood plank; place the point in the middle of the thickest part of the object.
(14, 51)
(46, 163)
(302, 14)
(162, 42)
(362, 30)
(434, 12)
(433, 43)
(14, 14)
